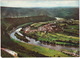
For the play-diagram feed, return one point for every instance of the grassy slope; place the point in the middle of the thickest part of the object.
(11, 23)
(42, 50)
(8, 43)
(57, 38)
(61, 37)
(69, 29)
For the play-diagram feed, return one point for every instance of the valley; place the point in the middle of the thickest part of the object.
(42, 34)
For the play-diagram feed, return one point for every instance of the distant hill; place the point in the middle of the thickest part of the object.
(9, 12)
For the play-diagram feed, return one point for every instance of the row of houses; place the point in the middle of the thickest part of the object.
(50, 27)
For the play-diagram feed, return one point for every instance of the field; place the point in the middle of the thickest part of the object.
(55, 38)
(42, 50)
(69, 35)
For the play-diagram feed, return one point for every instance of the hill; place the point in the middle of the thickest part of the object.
(9, 12)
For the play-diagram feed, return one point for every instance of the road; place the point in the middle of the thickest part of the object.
(13, 53)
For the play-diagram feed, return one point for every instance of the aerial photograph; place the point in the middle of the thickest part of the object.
(39, 28)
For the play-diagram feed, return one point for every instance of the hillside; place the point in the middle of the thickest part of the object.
(51, 12)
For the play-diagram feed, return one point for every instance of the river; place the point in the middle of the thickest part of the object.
(34, 42)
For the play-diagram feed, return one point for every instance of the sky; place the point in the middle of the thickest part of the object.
(39, 3)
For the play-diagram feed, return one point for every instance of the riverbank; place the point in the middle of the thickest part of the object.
(34, 42)
(46, 50)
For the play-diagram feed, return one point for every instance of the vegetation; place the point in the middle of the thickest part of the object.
(72, 30)
(42, 50)
(38, 24)
(25, 24)
(73, 26)
(7, 42)
(10, 23)
(55, 38)
(12, 19)
(62, 38)
(21, 37)
(63, 12)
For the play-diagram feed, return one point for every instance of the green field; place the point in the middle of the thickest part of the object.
(42, 50)
(55, 38)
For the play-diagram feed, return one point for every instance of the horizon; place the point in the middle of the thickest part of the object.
(39, 4)
(37, 7)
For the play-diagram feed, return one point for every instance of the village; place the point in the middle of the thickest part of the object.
(50, 27)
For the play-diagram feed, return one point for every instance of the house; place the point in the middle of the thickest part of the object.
(33, 30)
(27, 29)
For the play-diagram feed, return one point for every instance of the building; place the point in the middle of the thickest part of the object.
(50, 27)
